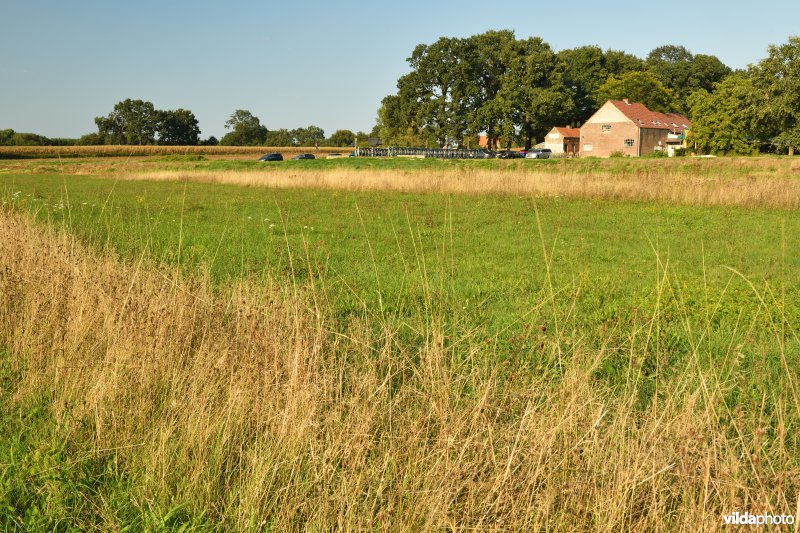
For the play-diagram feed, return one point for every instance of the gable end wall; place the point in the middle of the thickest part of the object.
(604, 144)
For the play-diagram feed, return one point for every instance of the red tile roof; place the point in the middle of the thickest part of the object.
(645, 118)
(566, 131)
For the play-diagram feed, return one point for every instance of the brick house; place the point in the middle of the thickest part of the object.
(631, 129)
(564, 140)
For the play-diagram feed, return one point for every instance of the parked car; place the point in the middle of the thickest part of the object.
(539, 153)
(271, 157)
(303, 156)
(509, 154)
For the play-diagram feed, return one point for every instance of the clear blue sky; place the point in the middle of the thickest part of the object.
(63, 63)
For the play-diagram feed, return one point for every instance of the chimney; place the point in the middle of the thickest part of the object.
(626, 101)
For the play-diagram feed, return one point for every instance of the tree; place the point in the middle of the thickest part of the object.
(706, 71)
(139, 122)
(618, 62)
(777, 77)
(178, 127)
(90, 139)
(6, 136)
(397, 121)
(583, 71)
(342, 138)
(362, 140)
(246, 130)
(671, 64)
(131, 122)
(436, 91)
(310, 136)
(110, 129)
(10, 137)
(281, 137)
(490, 54)
(533, 92)
(725, 121)
(495, 84)
(637, 86)
(684, 73)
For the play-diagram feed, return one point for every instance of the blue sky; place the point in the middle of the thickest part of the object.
(63, 63)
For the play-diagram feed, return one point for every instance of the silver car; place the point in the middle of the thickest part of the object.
(539, 153)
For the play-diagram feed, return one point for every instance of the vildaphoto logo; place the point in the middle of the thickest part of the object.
(747, 519)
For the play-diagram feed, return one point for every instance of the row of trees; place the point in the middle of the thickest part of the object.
(517, 89)
(753, 108)
(246, 130)
(138, 122)
(9, 137)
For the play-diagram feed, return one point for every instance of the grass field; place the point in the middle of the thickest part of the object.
(660, 320)
(747, 182)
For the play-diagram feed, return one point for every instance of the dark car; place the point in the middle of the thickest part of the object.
(539, 153)
(271, 157)
(509, 154)
(298, 157)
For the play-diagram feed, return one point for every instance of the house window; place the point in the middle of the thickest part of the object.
(605, 128)
(587, 147)
(628, 142)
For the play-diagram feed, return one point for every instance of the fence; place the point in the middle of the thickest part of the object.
(439, 153)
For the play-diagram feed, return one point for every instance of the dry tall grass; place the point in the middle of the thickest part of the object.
(749, 182)
(666, 185)
(246, 405)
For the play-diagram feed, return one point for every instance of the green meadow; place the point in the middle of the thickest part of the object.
(496, 264)
(667, 294)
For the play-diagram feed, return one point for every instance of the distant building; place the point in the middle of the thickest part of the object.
(631, 129)
(563, 141)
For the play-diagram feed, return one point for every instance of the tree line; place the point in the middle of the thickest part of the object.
(138, 122)
(515, 90)
(752, 108)
(246, 130)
